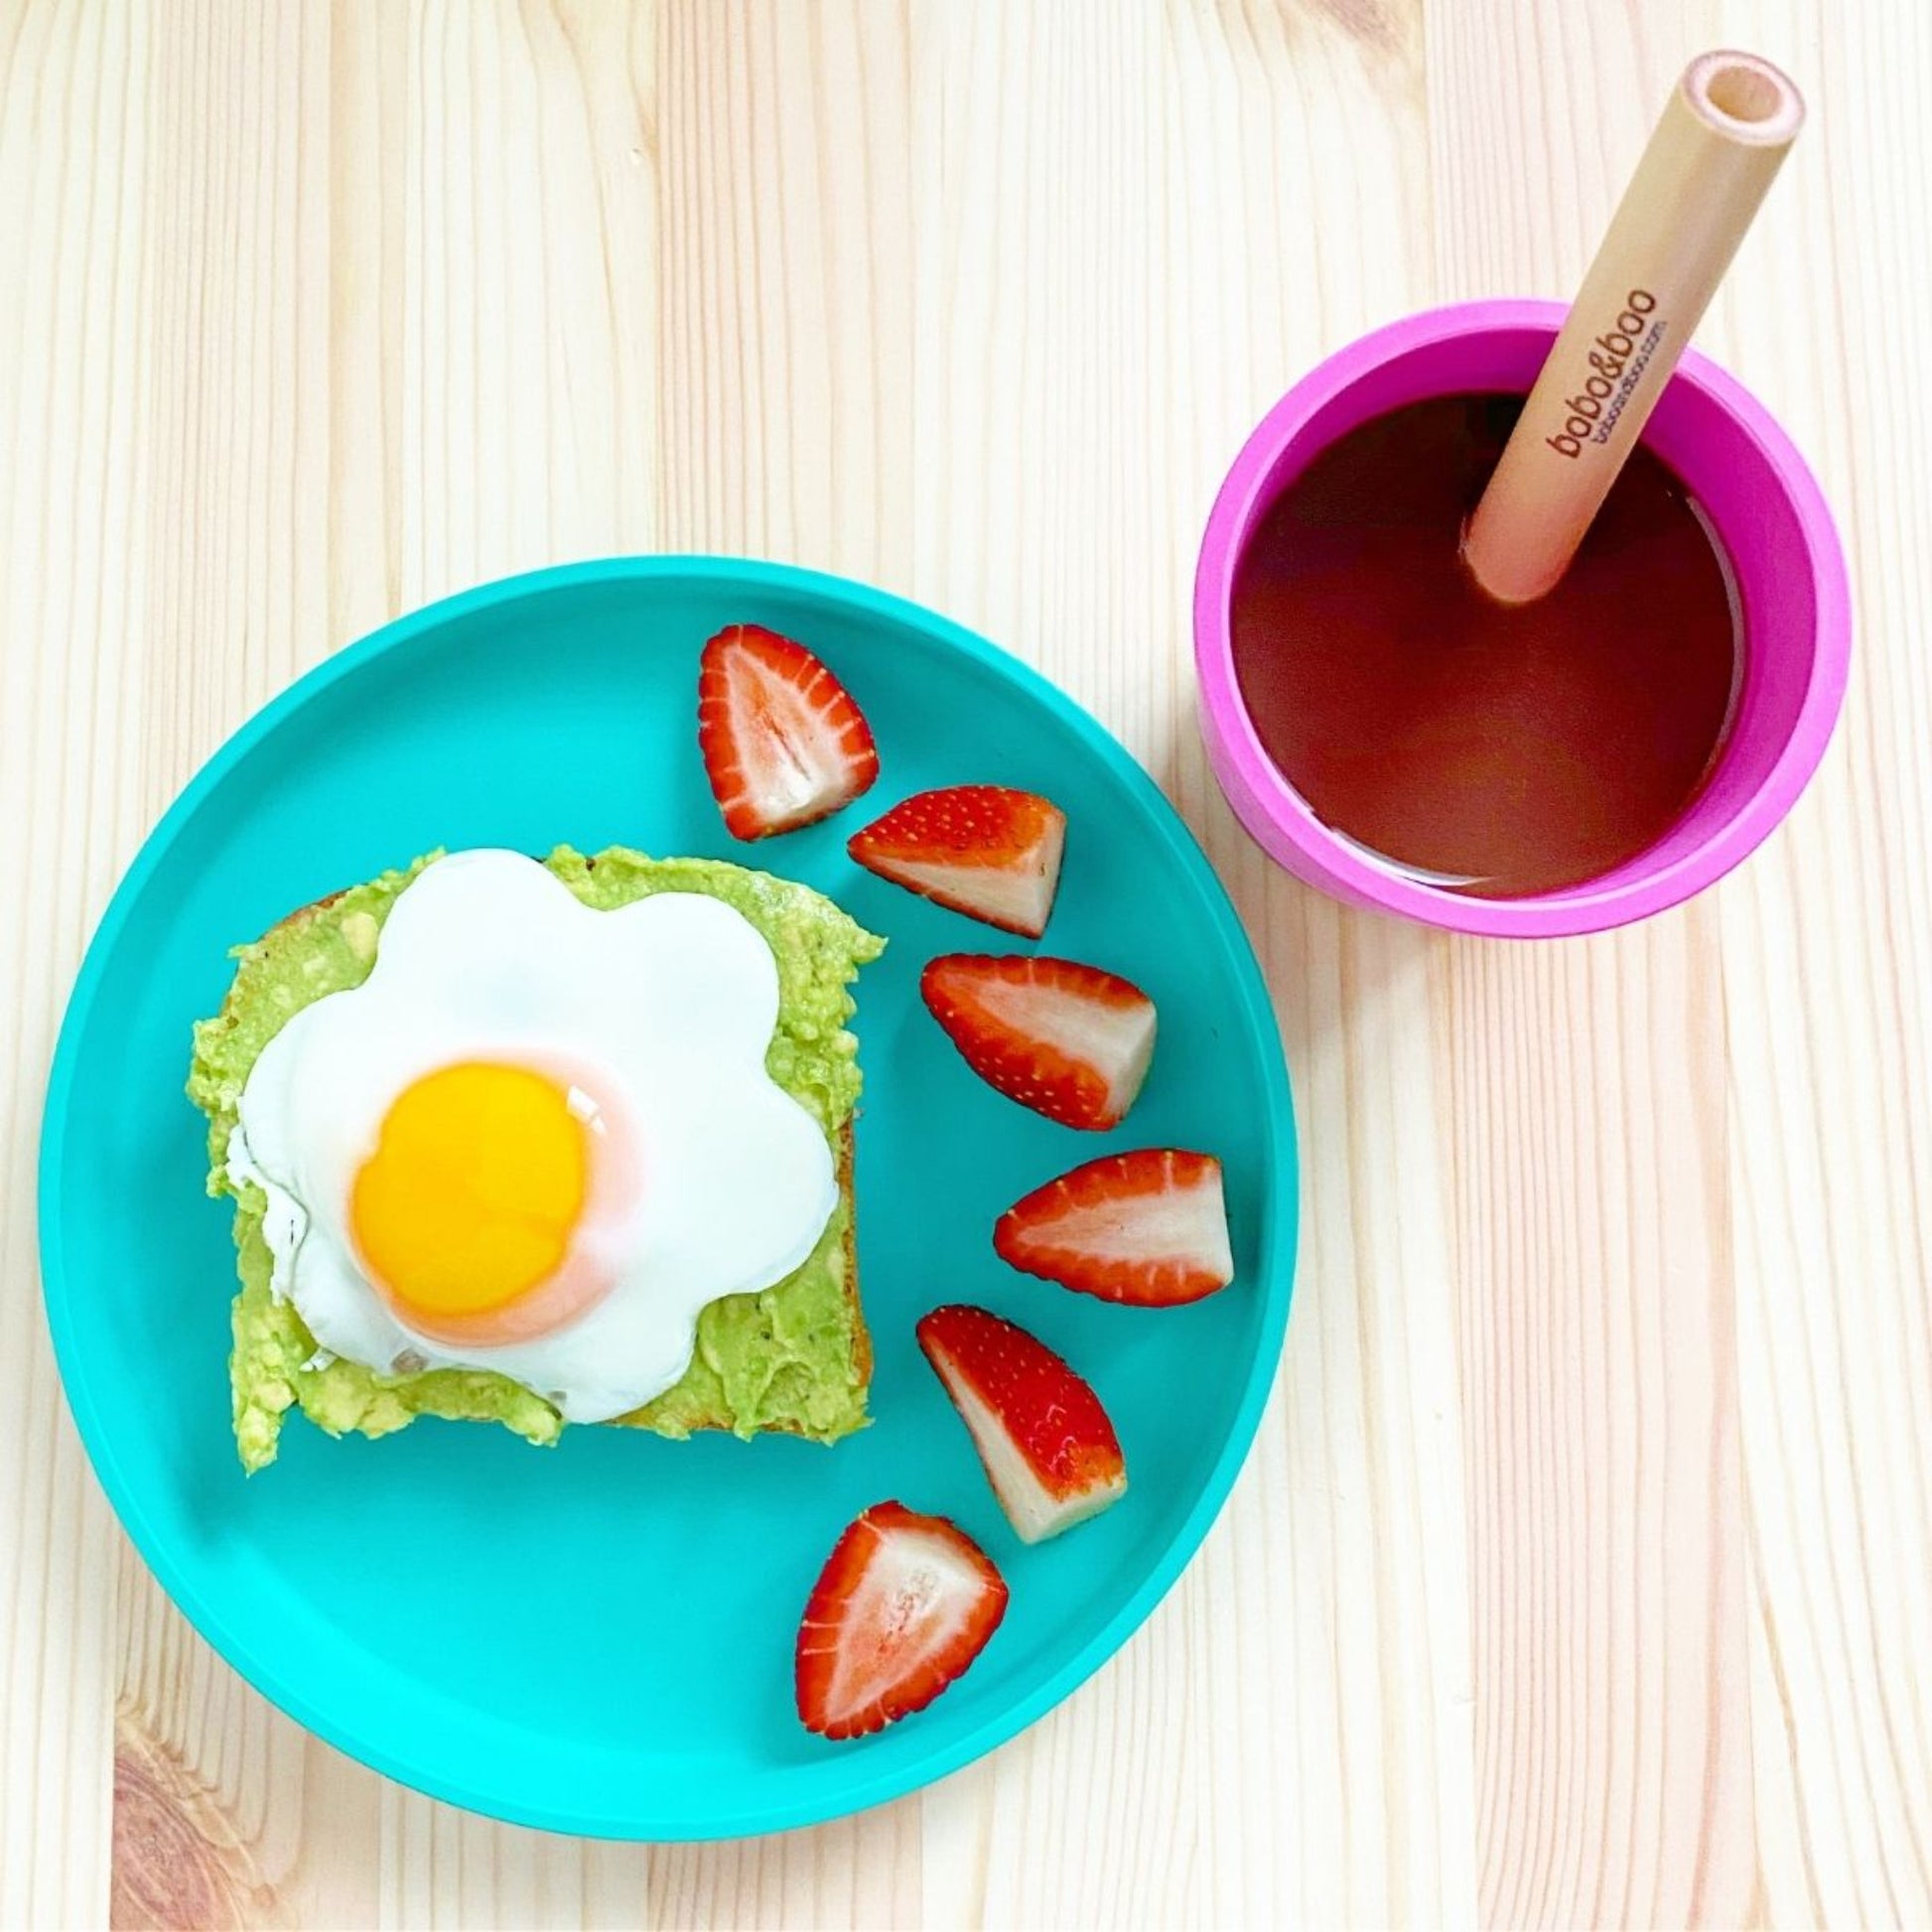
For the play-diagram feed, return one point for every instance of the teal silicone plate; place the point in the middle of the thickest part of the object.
(598, 1638)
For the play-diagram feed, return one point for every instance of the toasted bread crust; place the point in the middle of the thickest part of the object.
(862, 1356)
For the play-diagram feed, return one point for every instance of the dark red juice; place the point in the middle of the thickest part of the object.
(1505, 751)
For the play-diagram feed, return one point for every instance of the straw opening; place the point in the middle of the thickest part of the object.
(1745, 97)
(1744, 94)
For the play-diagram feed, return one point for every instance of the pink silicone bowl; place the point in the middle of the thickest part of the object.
(1766, 508)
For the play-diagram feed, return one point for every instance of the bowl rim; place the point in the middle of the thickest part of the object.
(1281, 820)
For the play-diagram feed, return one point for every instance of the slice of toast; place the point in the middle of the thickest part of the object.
(794, 1358)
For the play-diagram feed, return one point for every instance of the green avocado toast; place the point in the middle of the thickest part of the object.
(794, 1357)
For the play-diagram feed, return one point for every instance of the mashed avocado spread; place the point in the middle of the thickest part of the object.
(790, 1357)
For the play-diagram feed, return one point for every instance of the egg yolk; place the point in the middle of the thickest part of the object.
(473, 1190)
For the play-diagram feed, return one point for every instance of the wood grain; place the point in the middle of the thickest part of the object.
(1579, 1573)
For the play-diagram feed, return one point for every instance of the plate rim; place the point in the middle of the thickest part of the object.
(1277, 1244)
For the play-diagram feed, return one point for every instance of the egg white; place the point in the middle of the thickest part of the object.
(668, 1002)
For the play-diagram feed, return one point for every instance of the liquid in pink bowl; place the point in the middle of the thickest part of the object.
(1679, 818)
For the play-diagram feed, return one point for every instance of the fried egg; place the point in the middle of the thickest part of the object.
(538, 1139)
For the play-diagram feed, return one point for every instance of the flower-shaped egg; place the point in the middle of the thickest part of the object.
(538, 1139)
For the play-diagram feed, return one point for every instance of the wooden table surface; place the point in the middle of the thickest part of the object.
(1582, 1569)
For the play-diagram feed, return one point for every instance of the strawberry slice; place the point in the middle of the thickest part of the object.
(1068, 1040)
(1151, 1228)
(1050, 1450)
(782, 742)
(903, 1604)
(987, 850)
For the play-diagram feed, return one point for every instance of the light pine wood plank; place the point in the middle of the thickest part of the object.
(1599, 1347)
(786, 371)
(72, 134)
(1827, 950)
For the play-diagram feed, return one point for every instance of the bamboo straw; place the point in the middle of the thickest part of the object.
(1723, 133)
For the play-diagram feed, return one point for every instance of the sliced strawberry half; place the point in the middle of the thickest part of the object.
(903, 1604)
(1150, 1227)
(783, 743)
(987, 850)
(1068, 1040)
(1050, 1450)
